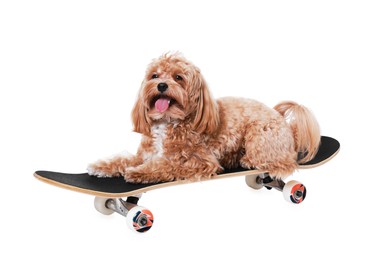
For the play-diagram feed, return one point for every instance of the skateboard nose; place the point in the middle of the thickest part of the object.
(162, 87)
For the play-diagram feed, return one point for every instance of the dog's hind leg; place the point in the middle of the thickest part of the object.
(270, 147)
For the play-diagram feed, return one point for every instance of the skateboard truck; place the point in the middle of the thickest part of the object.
(138, 218)
(293, 191)
(270, 183)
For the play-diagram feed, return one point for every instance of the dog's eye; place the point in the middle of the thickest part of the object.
(154, 76)
(178, 77)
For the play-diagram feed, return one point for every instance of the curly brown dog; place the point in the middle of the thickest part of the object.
(189, 135)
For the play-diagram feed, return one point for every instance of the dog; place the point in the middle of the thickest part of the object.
(188, 135)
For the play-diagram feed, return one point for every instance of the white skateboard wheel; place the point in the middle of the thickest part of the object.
(294, 192)
(139, 219)
(100, 205)
(251, 181)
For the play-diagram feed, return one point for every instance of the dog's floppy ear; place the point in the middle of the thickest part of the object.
(139, 117)
(207, 114)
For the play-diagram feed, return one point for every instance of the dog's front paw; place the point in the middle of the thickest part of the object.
(133, 175)
(102, 169)
(142, 174)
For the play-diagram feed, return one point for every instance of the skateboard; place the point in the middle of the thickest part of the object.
(109, 192)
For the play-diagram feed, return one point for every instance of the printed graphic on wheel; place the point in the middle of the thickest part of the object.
(143, 220)
(298, 193)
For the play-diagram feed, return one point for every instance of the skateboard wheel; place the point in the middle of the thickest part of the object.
(139, 219)
(294, 192)
(252, 181)
(100, 205)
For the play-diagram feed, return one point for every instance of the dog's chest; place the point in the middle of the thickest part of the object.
(158, 136)
(159, 133)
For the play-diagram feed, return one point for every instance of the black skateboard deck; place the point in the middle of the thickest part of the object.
(117, 187)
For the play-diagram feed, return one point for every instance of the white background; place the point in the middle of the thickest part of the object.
(69, 75)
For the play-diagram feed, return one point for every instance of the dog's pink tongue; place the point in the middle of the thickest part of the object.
(162, 104)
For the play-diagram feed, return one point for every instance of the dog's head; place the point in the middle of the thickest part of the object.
(174, 90)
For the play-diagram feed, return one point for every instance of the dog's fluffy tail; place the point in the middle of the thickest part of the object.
(304, 126)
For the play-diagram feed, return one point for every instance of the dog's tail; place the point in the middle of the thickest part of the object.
(305, 129)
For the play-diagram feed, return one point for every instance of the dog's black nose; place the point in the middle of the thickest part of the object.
(162, 87)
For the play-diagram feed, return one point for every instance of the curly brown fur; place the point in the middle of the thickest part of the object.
(189, 135)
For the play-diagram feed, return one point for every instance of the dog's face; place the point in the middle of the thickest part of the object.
(174, 90)
(167, 87)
